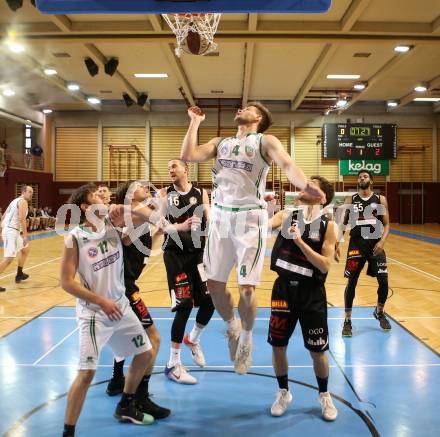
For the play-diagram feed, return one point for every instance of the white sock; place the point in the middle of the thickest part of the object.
(245, 336)
(174, 357)
(196, 332)
(232, 325)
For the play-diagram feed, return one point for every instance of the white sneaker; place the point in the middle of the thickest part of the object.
(284, 398)
(233, 337)
(243, 357)
(179, 374)
(196, 351)
(329, 411)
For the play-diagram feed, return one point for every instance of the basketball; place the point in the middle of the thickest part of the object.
(195, 44)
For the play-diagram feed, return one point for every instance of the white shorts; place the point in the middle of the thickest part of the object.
(236, 238)
(126, 336)
(12, 242)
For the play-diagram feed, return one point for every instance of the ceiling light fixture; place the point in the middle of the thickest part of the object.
(127, 99)
(50, 71)
(111, 66)
(142, 99)
(8, 93)
(151, 75)
(14, 4)
(402, 48)
(421, 88)
(360, 86)
(47, 111)
(343, 76)
(392, 103)
(73, 86)
(427, 99)
(341, 103)
(91, 66)
(15, 47)
(93, 100)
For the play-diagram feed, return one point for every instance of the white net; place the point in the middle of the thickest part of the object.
(203, 24)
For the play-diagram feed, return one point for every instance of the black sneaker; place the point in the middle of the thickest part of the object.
(115, 386)
(147, 406)
(2, 289)
(21, 277)
(132, 414)
(383, 321)
(346, 329)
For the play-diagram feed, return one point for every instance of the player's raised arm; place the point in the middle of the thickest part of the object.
(273, 148)
(191, 152)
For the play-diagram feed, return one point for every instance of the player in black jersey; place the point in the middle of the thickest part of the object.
(367, 213)
(301, 256)
(187, 206)
(136, 256)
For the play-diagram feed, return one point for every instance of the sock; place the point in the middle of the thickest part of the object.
(142, 390)
(174, 357)
(322, 384)
(245, 336)
(283, 382)
(232, 325)
(19, 270)
(379, 308)
(126, 399)
(118, 369)
(196, 332)
(69, 430)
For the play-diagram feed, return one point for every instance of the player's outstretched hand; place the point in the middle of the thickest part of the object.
(111, 309)
(196, 114)
(315, 192)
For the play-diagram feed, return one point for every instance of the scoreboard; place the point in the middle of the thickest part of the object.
(359, 141)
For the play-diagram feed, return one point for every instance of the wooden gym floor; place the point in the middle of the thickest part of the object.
(414, 278)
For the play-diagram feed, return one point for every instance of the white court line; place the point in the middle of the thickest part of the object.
(214, 318)
(357, 366)
(54, 347)
(32, 267)
(415, 269)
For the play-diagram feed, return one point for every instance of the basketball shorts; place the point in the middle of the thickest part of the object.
(126, 336)
(186, 278)
(236, 239)
(359, 252)
(12, 242)
(292, 301)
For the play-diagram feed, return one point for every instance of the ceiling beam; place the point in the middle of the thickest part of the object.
(437, 107)
(249, 60)
(435, 25)
(327, 53)
(408, 98)
(173, 60)
(62, 22)
(380, 74)
(36, 68)
(353, 12)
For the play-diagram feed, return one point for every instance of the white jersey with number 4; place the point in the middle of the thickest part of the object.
(239, 173)
(100, 263)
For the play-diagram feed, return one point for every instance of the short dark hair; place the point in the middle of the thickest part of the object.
(102, 184)
(121, 191)
(266, 116)
(80, 195)
(185, 164)
(327, 187)
(366, 171)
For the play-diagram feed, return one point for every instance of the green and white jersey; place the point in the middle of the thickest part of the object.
(239, 173)
(100, 263)
(11, 219)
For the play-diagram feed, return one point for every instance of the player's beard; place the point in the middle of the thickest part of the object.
(244, 120)
(364, 185)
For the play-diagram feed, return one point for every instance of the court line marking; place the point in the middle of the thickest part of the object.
(213, 318)
(415, 269)
(358, 366)
(32, 267)
(55, 346)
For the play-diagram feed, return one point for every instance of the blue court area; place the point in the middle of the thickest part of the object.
(384, 384)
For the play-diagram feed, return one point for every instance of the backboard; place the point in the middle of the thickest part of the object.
(181, 6)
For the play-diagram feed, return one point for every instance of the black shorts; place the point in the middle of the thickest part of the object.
(186, 285)
(359, 252)
(140, 309)
(293, 301)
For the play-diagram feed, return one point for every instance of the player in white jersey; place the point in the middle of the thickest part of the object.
(238, 223)
(94, 251)
(14, 233)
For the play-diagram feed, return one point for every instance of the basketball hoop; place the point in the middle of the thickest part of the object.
(194, 32)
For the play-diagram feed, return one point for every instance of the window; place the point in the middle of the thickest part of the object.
(27, 138)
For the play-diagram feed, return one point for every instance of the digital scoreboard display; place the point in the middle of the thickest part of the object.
(359, 141)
